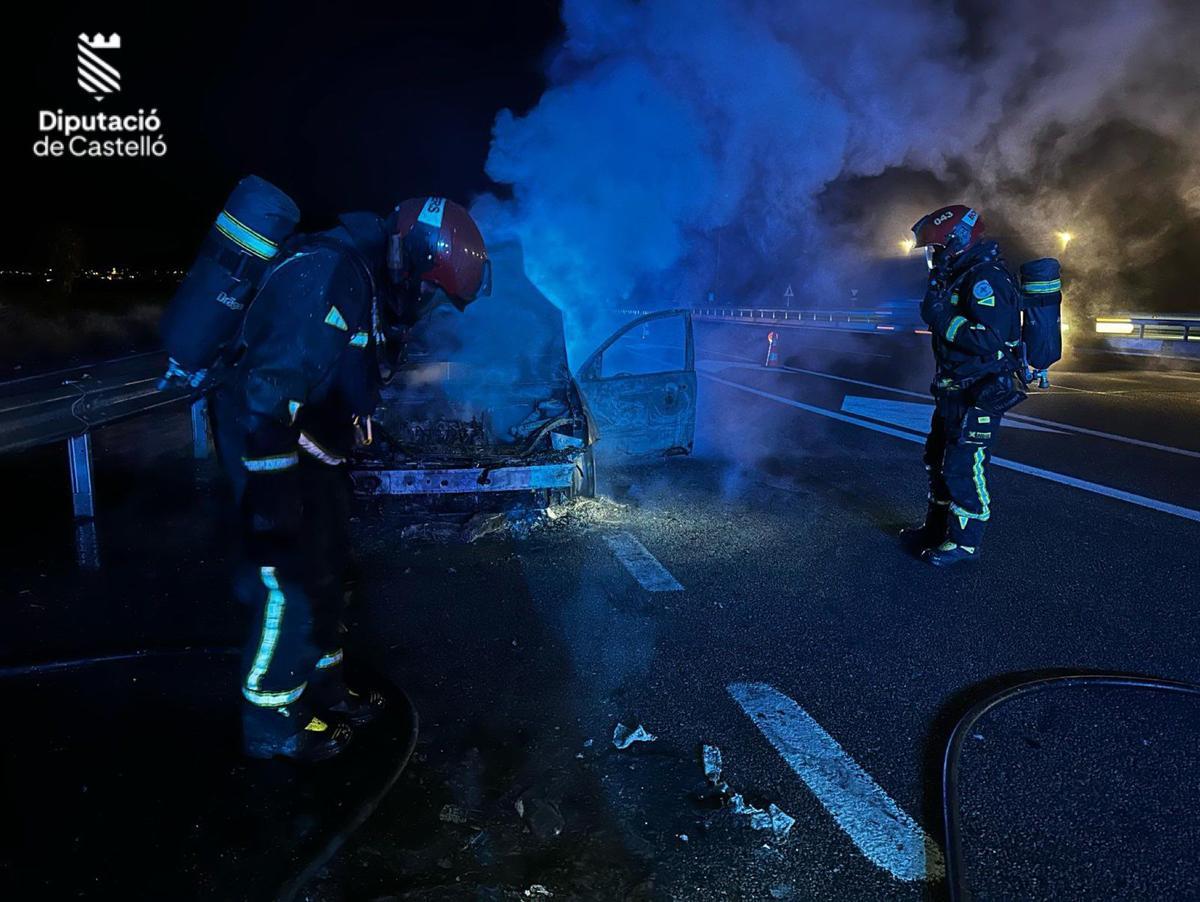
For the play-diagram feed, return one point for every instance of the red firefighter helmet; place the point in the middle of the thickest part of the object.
(435, 240)
(954, 228)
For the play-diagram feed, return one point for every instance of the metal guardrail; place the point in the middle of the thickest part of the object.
(68, 405)
(1174, 337)
(866, 320)
(1149, 326)
(59, 406)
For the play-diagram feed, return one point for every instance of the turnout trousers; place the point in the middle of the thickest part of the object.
(958, 452)
(294, 585)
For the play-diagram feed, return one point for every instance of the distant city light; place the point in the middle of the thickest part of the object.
(108, 274)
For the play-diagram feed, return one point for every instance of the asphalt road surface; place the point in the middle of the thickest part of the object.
(754, 598)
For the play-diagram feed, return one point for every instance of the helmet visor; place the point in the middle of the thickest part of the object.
(485, 284)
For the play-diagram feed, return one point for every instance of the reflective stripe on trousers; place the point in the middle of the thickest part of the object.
(268, 640)
(330, 660)
(979, 480)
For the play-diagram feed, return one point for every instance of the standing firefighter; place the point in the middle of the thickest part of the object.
(973, 309)
(299, 382)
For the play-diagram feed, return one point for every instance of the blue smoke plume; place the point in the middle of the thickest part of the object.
(683, 146)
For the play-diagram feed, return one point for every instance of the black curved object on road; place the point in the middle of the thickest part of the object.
(956, 880)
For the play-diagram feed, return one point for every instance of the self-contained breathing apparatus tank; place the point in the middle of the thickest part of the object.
(1041, 320)
(207, 310)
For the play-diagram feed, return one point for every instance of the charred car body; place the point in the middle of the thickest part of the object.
(486, 411)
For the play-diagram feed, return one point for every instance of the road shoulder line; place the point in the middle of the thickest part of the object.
(1062, 479)
(1052, 424)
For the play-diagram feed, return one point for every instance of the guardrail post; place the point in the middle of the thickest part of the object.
(79, 455)
(83, 500)
(87, 545)
(201, 435)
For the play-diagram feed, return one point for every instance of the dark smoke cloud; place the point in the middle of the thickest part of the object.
(683, 146)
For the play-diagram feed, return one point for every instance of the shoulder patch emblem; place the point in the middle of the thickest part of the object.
(334, 318)
(983, 289)
(989, 301)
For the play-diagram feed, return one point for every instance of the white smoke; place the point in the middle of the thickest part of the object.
(678, 137)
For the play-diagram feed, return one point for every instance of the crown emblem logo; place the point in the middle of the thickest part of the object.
(94, 73)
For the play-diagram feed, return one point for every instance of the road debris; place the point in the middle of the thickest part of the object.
(779, 822)
(624, 737)
(474, 841)
(453, 814)
(543, 818)
(711, 756)
(519, 522)
(774, 819)
(538, 891)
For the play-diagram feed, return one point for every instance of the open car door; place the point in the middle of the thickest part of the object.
(640, 386)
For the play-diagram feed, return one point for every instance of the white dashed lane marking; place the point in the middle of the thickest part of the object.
(874, 822)
(641, 564)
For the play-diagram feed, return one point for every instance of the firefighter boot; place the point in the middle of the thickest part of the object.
(932, 532)
(948, 554)
(292, 731)
(963, 537)
(356, 707)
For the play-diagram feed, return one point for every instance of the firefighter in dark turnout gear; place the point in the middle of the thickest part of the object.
(972, 308)
(299, 393)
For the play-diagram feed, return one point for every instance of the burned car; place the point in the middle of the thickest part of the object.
(486, 410)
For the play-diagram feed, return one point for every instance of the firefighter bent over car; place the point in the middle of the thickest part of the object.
(973, 310)
(302, 371)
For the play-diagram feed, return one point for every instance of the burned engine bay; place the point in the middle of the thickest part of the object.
(426, 418)
(485, 403)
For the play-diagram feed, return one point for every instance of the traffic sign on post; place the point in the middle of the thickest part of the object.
(787, 296)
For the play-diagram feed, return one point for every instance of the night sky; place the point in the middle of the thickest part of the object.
(802, 144)
(343, 105)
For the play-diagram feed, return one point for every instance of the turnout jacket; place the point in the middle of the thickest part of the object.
(308, 362)
(974, 315)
